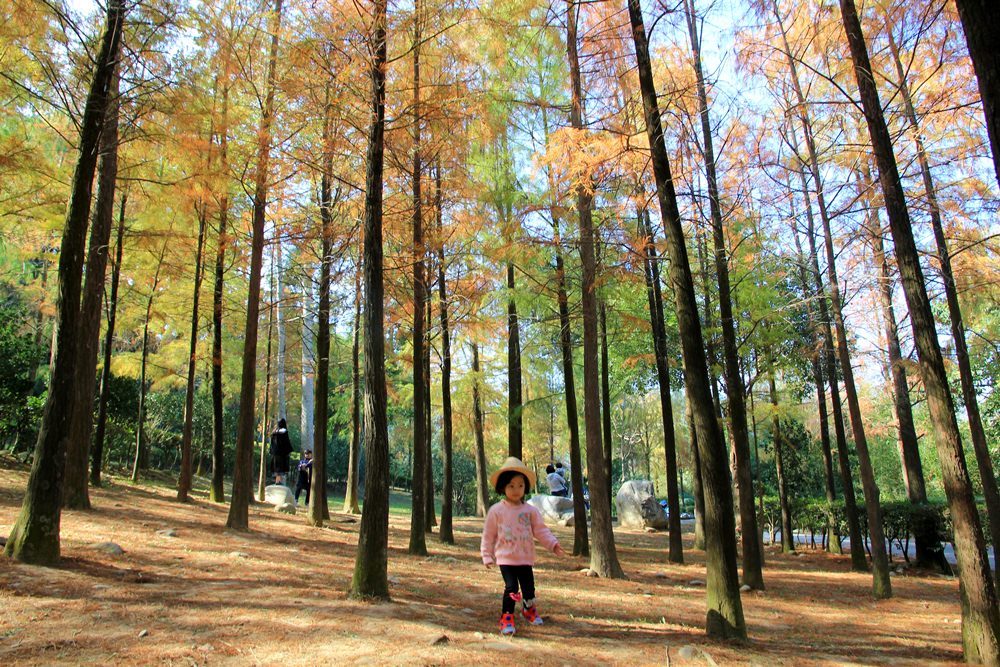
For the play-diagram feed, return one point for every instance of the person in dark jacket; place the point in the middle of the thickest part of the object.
(305, 475)
(281, 449)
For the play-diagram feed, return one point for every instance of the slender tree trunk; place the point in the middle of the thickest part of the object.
(979, 444)
(654, 297)
(238, 518)
(184, 480)
(217, 492)
(75, 491)
(34, 537)
(482, 489)
(605, 400)
(697, 487)
(418, 510)
(317, 492)
(980, 613)
(353, 461)
(753, 575)
(141, 461)
(97, 460)
(370, 578)
(307, 410)
(279, 309)
(581, 542)
(725, 609)
(787, 537)
(817, 369)
(265, 420)
(514, 407)
(603, 554)
(981, 23)
(430, 519)
(447, 534)
(858, 562)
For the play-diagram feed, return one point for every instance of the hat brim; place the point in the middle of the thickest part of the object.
(513, 465)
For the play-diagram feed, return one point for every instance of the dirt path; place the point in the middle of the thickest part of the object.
(277, 595)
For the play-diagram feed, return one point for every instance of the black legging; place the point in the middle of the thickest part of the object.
(512, 576)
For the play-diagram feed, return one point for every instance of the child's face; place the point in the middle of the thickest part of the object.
(514, 491)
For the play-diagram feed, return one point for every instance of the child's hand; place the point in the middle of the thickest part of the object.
(559, 551)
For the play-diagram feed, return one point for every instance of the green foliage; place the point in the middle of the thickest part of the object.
(18, 359)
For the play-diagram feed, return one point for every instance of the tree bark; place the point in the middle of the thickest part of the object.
(75, 493)
(446, 534)
(753, 575)
(980, 613)
(979, 444)
(217, 491)
(266, 420)
(697, 486)
(515, 424)
(307, 410)
(787, 537)
(603, 554)
(34, 537)
(418, 511)
(141, 461)
(981, 23)
(353, 461)
(370, 577)
(858, 562)
(654, 297)
(97, 460)
(725, 609)
(482, 488)
(239, 505)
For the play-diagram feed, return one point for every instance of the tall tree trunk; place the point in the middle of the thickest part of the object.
(514, 407)
(370, 578)
(430, 520)
(353, 460)
(787, 537)
(581, 543)
(482, 488)
(725, 609)
(447, 534)
(97, 460)
(979, 444)
(698, 488)
(34, 537)
(184, 479)
(753, 575)
(833, 538)
(265, 420)
(980, 613)
(217, 492)
(141, 461)
(858, 562)
(317, 492)
(418, 510)
(279, 309)
(75, 491)
(603, 554)
(307, 403)
(654, 297)
(981, 23)
(238, 518)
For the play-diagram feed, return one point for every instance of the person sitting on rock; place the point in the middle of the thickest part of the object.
(556, 482)
(281, 450)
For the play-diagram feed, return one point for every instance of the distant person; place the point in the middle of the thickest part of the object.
(509, 535)
(281, 450)
(556, 482)
(304, 481)
(562, 472)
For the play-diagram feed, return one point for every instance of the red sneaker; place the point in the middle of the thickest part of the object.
(507, 624)
(531, 615)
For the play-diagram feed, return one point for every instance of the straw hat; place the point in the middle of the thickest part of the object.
(513, 463)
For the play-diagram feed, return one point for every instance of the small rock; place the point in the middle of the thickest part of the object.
(394, 580)
(286, 508)
(893, 573)
(696, 582)
(660, 575)
(745, 587)
(167, 532)
(450, 559)
(468, 612)
(687, 652)
(591, 573)
(101, 587)
(650, 529)
(109, 548)
(478, 635)
(144, 633)
(239, 554)
(206, 648)
(439, 640)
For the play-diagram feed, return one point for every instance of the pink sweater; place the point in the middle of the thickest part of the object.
(509, 532)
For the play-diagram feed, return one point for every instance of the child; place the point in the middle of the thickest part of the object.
(508, 541)
(305, 475)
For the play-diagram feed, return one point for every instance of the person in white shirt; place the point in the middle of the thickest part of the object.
(557, 485)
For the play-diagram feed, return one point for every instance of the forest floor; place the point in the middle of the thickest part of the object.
(278, 595)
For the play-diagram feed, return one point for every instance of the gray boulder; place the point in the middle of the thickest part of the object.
(638, 507)
(278, 495)
(553, 508)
